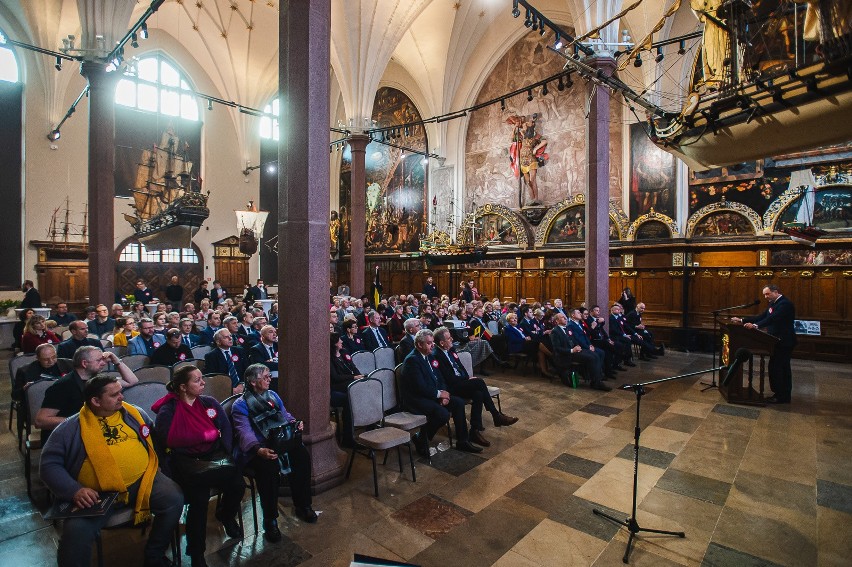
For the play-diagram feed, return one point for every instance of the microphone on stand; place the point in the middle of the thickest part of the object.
(742, 355)
(755, 302)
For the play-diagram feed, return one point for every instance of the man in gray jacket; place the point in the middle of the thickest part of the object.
(80, 462)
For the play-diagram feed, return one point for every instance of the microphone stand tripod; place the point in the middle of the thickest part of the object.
(712, 384)
(631, 523)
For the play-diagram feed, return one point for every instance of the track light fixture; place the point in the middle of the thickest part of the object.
(541, 28)
(557, 44)
(53, 135)
(544, 89)
(528, 21)
(515, 10)
(560, 85)
(529, 95)
(58, 64)
(209, 104)
(502, 104)
(568, 82)
(681, 47)
(638, 61)
(143, 30)
(660, 55)
(535, 23)
(134, 40)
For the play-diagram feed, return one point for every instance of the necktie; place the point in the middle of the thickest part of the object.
(269, 350)
(379, 338)
(232, 370)
(453, 363)
(186, 341)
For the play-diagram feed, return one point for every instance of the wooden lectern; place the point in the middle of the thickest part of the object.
(735, 337)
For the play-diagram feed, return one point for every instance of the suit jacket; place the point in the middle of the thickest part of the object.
(562, 345)
(168, 356)
(777, 320)
(143, 296)
(577, 335)
(445, 367)
(404, 348)
(370, 342)
(137, 345)
(420, 381)
(257, 293)
(353, 345)
(69, 346)
(194, 340)
(206, 335)
(515, 337)
(532, 328)
(217, 294)
(259, 354)
(32, 299)
(620, 327)
(215, 363)
(430, 291)
(245, 338)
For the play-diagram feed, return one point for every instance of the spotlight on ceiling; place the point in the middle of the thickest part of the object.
(143, 30)
(558, 43)
(271, 168)
(660, 55)
(502, 104)
(515, 10)
(544, 89)
(209, 104)
(560, 84)
(528, 19)
(541, 29)
(53, 135)
(681, 47)
(134, 40)
(529, 95)
(638, 61)
(58, 64)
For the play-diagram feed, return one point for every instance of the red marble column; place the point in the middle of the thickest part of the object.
(358, 146)
(597, 195)
(101, 181)
(303, 204)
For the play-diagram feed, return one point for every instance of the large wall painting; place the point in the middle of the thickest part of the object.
(559, 120)
(832, 209)
(652, 176)
(723, 223)
(396, 181)
(832, 257)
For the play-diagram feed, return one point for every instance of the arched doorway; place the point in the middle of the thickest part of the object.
(156, 267)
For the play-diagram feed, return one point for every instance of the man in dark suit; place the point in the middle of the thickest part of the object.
(227, 359)
(374, 336)
(257, 291)
(600, 338)
(32, 298)
(78, 338)
(142, 294)
(173, 351)
(406, 345)
(188, 338)
(634, 319)
(248, 336)
(424, 392)
(566, 350)
(578, 334)
(778, 321)
(460, 383)
(214, 323)
(621, 332)
(266, 351)
(429, 290)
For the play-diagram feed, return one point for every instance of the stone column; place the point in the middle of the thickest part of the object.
(303, 263)
(597, 195)
(101, 181)
(358, 146)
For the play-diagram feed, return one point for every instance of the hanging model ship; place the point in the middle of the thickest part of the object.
(439, 248)
(168, 206)
(803, 230)
(745, 101)
(250, 223)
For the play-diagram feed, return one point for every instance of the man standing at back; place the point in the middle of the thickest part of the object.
(106, 447)
(778, 321)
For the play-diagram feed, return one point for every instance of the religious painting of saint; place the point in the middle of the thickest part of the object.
(494, 230)
(527, 154)
(652, 176)
(723, 223)
(568, 226)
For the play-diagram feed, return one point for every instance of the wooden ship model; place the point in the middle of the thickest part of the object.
(440, 248)
(168, 206)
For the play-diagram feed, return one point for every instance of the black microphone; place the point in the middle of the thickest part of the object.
(741, 356)
(756, 302)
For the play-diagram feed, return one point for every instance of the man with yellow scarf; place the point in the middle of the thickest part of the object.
(107, 447)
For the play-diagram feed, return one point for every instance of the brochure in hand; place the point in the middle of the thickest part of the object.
(61, 510)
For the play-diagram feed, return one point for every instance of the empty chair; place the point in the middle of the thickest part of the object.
(404, 420)
(59, 330)
(135, 361)
(364, 361)
(385, 357)
(155, 373)
(199, 351)
(144, 394)
(218, 386)
(33, 397)
(120, 351)
(493, 391)
(365, 403)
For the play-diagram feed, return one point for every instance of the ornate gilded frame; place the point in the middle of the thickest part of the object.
(616, 215)
(653, 216)
(725, 205)
(514, 219)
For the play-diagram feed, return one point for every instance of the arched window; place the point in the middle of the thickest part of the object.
(155, 85)
(269, 126)
(8, 62)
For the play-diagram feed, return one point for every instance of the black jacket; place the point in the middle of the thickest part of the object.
(777, 320)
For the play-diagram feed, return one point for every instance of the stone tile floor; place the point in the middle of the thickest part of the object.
(749, 486)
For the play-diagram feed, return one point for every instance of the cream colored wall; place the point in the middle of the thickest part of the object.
(51, 174)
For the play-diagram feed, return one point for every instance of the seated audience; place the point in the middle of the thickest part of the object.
(424, 392)
(343, 373)
(634, 319)
(79, 337)
(61, 315)
(147, 341)
(374, 336)
(566, 349)
(253, 421)
(460, 383)
(352, 340)
(214, 323)
(406, 345)
(18, 329)
(266, 351)
(36, 333)
(227, 359)
(106, 447)
(102, 324)
(173, 351)
(125, 331)
(187, 337)
(190, 426)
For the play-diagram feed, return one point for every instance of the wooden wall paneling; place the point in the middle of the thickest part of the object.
(654, 290)
(825, 300)
(509, 285)
(577, 293)
(489, 283)
(556, 285)
(533, 285)
(616, 286)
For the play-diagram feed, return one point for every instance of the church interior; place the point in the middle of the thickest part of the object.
(693, 152)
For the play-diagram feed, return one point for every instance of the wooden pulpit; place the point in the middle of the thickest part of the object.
(740, 388)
